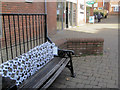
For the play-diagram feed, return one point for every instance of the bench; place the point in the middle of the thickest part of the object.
(37, 68)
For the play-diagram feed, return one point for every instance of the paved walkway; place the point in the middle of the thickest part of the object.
(93, 71)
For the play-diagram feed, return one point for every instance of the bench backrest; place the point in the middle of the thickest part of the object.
(27, 64)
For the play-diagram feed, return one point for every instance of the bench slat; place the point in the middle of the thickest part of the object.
(42, 75)
(49, 74)
(7, 83)
(55, 75)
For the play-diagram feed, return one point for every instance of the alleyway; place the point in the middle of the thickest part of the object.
(93, 71)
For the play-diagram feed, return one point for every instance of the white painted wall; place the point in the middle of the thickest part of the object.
(81, 14)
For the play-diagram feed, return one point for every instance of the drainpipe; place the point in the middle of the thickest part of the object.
(46, 27)
(46, 6)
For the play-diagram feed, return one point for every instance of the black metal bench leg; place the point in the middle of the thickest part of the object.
(70, 66)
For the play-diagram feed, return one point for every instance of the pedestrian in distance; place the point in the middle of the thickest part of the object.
(95, 15)
(99, 17)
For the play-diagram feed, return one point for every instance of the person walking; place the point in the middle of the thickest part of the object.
(99, 17)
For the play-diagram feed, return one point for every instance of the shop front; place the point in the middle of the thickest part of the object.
(66, 14)
(61, 15)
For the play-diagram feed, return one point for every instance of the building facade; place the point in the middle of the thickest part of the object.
(61, 15)
(25, 25)
(81, 12)
(33, 7)
(107, 5)
(114, 7)
(100, 5)
(66, 14)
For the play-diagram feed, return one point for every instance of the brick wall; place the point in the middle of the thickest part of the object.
(27, 40)
(82, 46)
(35, 7)
(19, 7)
(86, 46)
(22, 7)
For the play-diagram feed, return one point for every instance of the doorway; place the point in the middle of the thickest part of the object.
(67, 15)
(61, 15)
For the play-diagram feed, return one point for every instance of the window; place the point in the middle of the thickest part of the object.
(116, 9)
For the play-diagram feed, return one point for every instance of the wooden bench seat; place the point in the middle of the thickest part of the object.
(45, 76)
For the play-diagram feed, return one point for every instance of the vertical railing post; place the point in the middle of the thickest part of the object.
(5, 36)
(19, 33)
(46, 28)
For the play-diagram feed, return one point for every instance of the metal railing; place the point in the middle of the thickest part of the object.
(20, 33)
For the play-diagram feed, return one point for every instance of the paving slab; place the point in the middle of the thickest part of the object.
(93, 71)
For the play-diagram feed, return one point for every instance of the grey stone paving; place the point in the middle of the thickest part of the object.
(93, 71)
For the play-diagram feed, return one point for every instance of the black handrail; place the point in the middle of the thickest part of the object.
(49, 39)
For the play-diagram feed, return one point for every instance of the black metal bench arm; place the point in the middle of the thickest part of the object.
(49, 40)
(65, 54)
(61, 50)
(66, 51)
